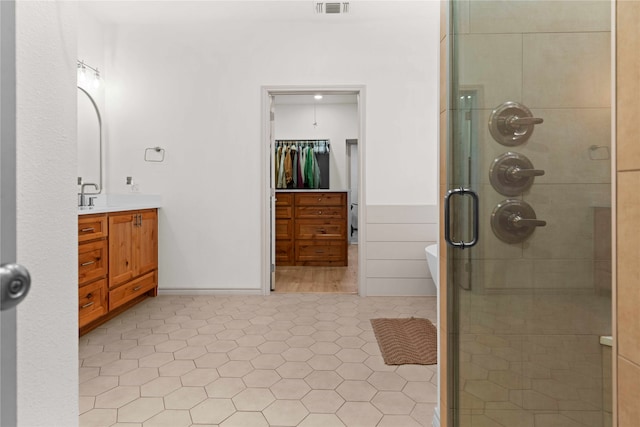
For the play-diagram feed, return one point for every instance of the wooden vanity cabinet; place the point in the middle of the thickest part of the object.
(117, 263)
(133, 245)
(93, 262)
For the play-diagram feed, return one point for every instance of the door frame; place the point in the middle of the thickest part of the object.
(267, 196)
(8, 319)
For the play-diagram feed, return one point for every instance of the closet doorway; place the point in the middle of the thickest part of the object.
(312, 174)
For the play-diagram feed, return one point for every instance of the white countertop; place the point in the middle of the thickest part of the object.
(121, 202)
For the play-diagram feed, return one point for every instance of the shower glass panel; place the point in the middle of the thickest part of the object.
(531, 300)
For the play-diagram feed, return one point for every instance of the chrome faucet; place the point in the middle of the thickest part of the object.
(83, 201)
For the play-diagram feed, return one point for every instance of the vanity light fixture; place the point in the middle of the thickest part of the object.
(83, 75)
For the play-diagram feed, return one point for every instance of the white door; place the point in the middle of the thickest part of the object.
(14, 279)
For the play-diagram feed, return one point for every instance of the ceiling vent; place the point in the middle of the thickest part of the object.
(332, 8)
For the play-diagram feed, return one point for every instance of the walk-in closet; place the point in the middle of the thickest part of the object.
(311, 175)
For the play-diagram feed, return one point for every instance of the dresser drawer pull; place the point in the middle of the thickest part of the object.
(319, 252)
(89, 304)
(87, 230)
(84, 264)
(322, 230)
(319, 212)
(137, 288)
(319, 199)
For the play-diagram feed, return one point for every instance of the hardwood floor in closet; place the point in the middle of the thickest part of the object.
(342, 280)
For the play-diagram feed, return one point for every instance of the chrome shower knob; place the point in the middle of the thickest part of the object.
(513, 221)
(512, 124)
(511, 174)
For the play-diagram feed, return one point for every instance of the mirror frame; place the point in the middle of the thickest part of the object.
(95, 106)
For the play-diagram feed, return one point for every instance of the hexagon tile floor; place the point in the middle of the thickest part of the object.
(279, 360)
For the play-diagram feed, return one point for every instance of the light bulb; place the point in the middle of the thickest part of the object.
(96, 80)
(82, 74)
(317, 97)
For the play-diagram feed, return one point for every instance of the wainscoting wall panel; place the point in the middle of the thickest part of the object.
(396, 238)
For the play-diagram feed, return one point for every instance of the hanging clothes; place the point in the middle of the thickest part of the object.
(294, 162)
(288, 168)
(281, 179)
(277, 165)
(308, 169)
(302, 164)
(316, 171)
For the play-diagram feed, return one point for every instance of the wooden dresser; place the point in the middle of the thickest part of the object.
(311, 228)
(117, 263)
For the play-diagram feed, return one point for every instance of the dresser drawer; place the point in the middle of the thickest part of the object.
(284, 253)
(321, 199)
(93, 261)
(131, 290)
(320, 229)
(284, 212)
(313, 212)
(92, 302)
(314, 251)
(91, 227)
(284, 229)
(284, 199)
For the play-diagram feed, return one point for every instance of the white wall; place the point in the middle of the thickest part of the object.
(336, 122)
(47, 217)
(194, 89)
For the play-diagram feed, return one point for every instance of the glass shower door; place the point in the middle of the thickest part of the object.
(530, 112)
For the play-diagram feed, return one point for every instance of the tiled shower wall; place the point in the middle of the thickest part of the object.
(558, 68)
(628, 213)
(529, 329)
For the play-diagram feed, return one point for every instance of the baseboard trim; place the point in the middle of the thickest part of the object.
(213, 292)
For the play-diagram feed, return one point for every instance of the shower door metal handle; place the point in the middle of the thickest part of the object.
(447, 217)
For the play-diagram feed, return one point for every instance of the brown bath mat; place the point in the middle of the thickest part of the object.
(407, 341)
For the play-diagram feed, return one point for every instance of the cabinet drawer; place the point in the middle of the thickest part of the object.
(284, 199)
(284, 229)
(93, 260)
(320, 229)
(312, 212)
(320, 251)
(321, 199)
(284, 212)
(92, 302)
(131, 290)
(91, 227)
(284, 253)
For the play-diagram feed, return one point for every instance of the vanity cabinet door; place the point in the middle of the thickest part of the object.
(133, 245)
(146, 240)
(121, 247)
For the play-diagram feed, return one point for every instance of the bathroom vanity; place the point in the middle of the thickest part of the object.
(117, 261)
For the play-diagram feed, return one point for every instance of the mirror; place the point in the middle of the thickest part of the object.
(89, 142)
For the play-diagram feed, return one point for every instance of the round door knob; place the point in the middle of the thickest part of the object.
(14, 285)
